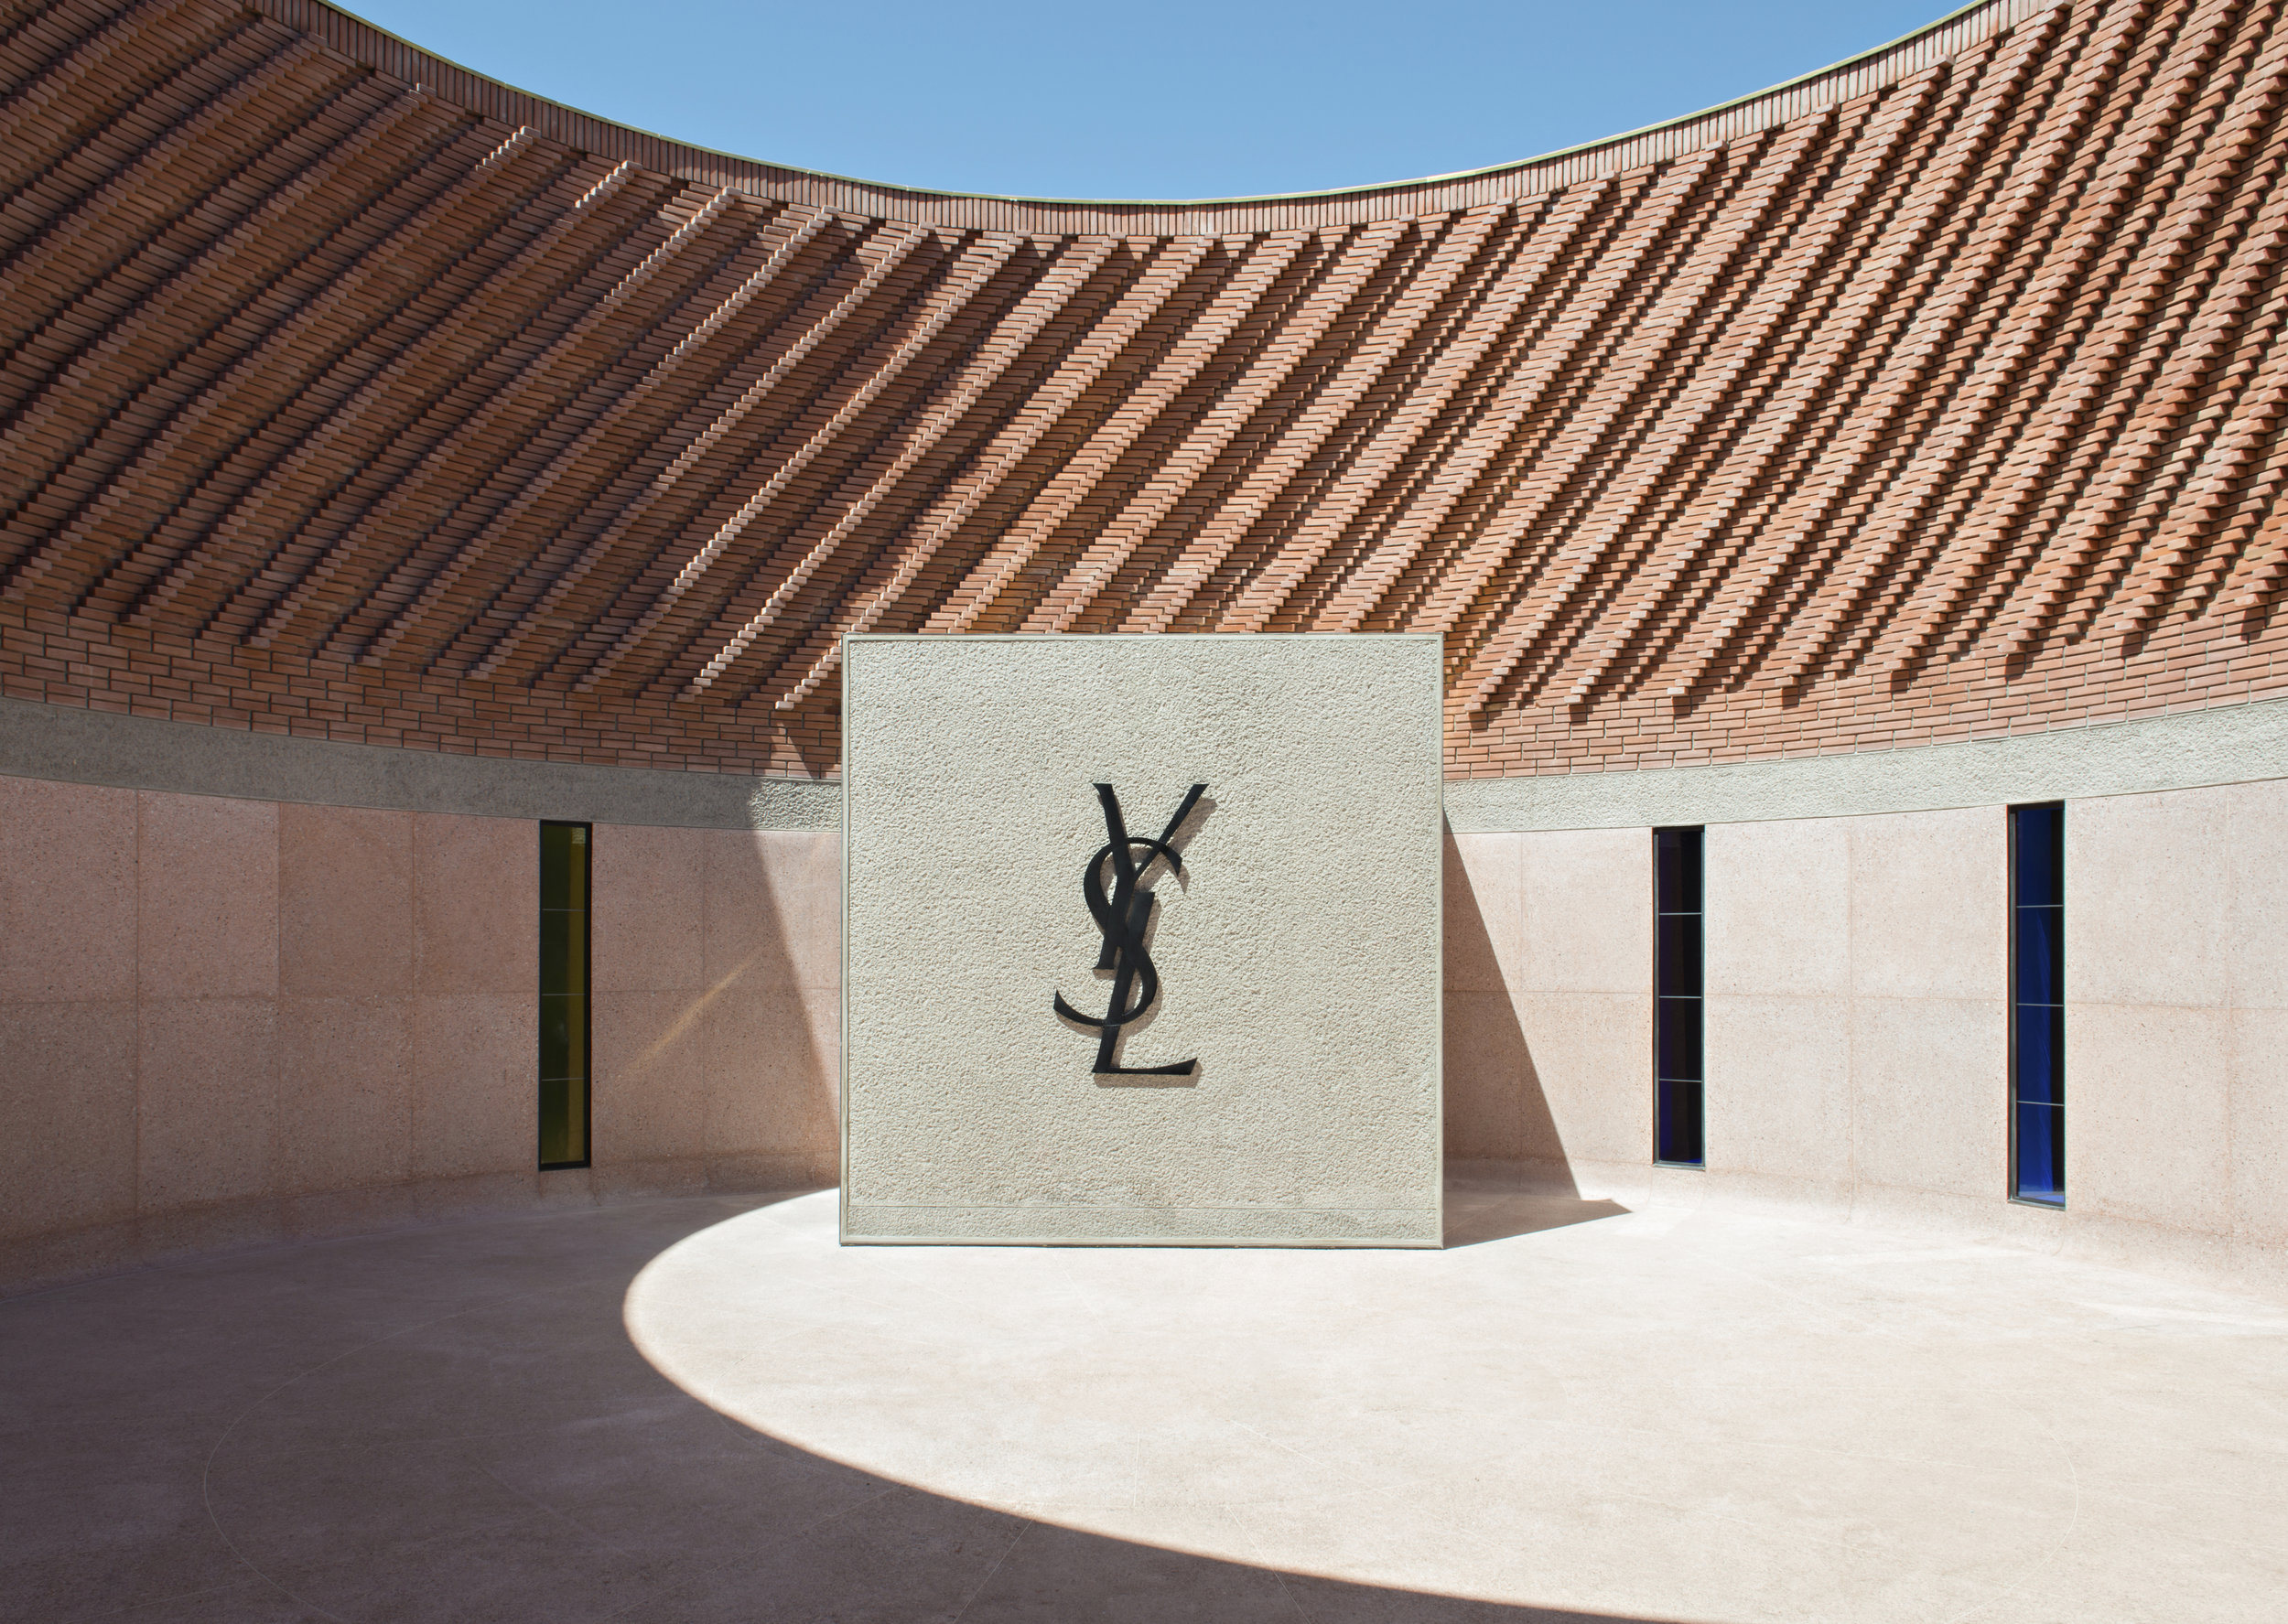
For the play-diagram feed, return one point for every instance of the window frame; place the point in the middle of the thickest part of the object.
(2012, 1181)
(1698, 833)
(586, 841)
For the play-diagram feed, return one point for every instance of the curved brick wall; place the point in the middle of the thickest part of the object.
(346, 392)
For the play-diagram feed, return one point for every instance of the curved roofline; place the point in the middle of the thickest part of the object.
(1694, 459)
(1713, 109)
(1868, 71)
(2005, 11)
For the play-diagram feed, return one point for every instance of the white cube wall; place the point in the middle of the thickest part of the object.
(1299, 952)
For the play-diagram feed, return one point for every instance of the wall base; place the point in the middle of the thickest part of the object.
(41, 1262)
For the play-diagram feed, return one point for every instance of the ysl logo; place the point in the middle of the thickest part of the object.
(1126, 918)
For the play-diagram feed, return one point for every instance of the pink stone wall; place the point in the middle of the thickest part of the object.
(1858, 1033)
(1548, 997)
(717, 1011)
(225, 1020)
(2177, 1023)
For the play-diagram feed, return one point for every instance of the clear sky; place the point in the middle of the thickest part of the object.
(1154, 99)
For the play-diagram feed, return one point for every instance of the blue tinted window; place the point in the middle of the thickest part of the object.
(2039, 1072)
(2038, 956)
(2041, 1141)
(1678, 1133)
(2038, 859)
(2037, 1004)
(1679, 1082)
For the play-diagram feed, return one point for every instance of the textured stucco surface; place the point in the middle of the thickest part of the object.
(2228, 745)
(2193, 749)
(85, 746)
(1300, 956)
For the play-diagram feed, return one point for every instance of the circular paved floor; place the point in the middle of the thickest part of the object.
(705, 1410)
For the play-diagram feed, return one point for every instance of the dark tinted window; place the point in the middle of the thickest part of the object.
(1679, 1082)
(564, 870)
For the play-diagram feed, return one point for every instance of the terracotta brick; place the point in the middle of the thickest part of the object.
(1952, 407)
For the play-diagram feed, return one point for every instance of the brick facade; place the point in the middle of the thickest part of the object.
(348, 395)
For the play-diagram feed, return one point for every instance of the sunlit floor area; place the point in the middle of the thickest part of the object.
(705, 1410)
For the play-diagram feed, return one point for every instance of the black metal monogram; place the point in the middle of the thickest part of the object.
(1126, 918)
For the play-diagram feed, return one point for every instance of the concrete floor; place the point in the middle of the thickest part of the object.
(704, 1410)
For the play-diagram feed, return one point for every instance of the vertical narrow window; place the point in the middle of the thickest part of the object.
(564, 849)
(2037, 1004)
(1677, 1075)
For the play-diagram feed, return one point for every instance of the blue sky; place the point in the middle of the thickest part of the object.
(1180, 99)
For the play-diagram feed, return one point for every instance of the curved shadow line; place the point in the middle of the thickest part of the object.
(1045, 1569)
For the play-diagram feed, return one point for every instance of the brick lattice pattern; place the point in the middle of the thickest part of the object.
(349, 395)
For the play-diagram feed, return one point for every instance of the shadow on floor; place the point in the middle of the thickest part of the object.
(450, 1423)
(1472, 1219)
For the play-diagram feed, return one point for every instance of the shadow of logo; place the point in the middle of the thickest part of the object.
(1125, 915)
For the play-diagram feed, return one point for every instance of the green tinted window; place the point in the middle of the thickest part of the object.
(564, 854)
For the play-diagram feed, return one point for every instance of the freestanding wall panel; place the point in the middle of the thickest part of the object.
(1297, 954)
